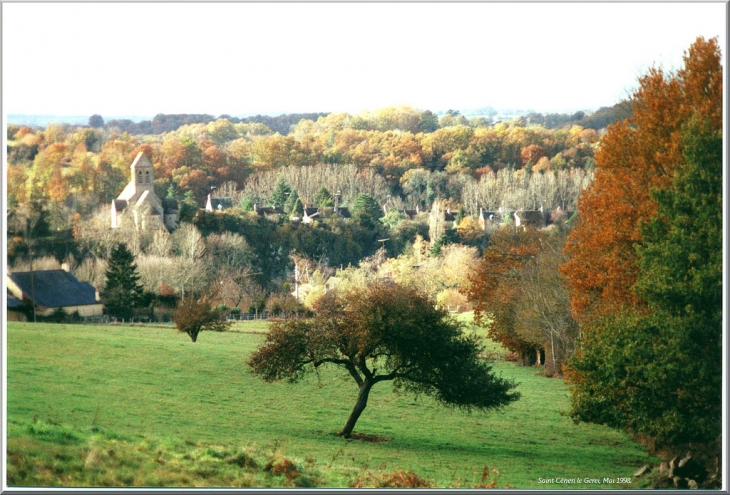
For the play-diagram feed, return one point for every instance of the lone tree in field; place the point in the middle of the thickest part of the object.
(195, 314)
(380, 333)
(122, 291)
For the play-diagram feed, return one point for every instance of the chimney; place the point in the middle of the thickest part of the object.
(65, 267)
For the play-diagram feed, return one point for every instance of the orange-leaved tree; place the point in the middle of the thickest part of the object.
(636, 156)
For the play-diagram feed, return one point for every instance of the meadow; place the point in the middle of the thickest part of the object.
(144, 406)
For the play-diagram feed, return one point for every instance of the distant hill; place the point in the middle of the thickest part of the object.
(32, 120)
(161, 123)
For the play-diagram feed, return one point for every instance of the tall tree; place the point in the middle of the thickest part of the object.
(323, 198)
(96, 120)
(366, 210)
(385, 333)
(122, 291)
(635, 156)
(659, 372)
(280, 194)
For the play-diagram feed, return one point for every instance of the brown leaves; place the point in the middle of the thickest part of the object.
(634, 157)
(195, 314)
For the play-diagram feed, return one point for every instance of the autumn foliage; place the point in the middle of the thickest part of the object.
(634, 157)
(646, 267)
(195, 314)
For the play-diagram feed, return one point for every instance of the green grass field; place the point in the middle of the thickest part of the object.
(177, 413)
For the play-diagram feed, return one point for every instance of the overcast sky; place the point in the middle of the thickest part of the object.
(247, 58)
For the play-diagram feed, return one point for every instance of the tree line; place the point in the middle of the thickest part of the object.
(627, 303)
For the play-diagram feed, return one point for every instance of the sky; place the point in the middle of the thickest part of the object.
(117, 59)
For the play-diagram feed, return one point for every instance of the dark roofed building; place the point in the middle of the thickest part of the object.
(15, 308)
(218, 203)
(51, 290)
(343, 212)
(266, 211)
(530, 218)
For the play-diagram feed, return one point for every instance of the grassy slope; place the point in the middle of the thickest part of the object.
(154, 383)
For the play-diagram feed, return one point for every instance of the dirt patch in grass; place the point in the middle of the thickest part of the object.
(368, 438)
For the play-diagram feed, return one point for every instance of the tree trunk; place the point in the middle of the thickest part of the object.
(360, 404)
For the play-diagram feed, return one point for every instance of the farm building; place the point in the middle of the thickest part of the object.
(51, 290)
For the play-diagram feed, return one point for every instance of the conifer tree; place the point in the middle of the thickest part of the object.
(323, 198)
(290, 203)
(280, 194)
(122, 291)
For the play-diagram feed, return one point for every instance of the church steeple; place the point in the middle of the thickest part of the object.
(143, 173)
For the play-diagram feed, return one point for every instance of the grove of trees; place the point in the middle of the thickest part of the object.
(645, 266)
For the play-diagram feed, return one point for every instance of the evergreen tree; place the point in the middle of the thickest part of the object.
(659, 372)
(290, 203)
(280, 194)
(323, 198)
(122, 291)
(366, 210)
(298, 209)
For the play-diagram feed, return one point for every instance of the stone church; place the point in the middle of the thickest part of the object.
(138, 202)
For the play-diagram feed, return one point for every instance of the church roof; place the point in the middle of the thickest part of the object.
(141, 159)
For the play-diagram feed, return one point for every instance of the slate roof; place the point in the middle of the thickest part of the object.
(170, 204)
(224, 202)
(531, 217)
(13, 302)
(55, 288)
(268, 210)
(343, 212)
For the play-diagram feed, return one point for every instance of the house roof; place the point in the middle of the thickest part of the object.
(54, 288)
(13, 302)
(343, 212)
(224, 202)
(268, 210)
(531, 217)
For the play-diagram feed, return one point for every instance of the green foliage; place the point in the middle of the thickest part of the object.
(280, 194)
(659, 373)
(323, 198)
(291, 203)
(122, 292)
(366, 210)
(450, 236)
(385, 333)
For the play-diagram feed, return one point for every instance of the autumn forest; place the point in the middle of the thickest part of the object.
(588, 246)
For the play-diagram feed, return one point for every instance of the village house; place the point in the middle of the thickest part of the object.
(138, 202)
(309, 214)
(488, 218)
(14, 308)
(530, 218)
(218, 203)
(51, 290)
(267, 211)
